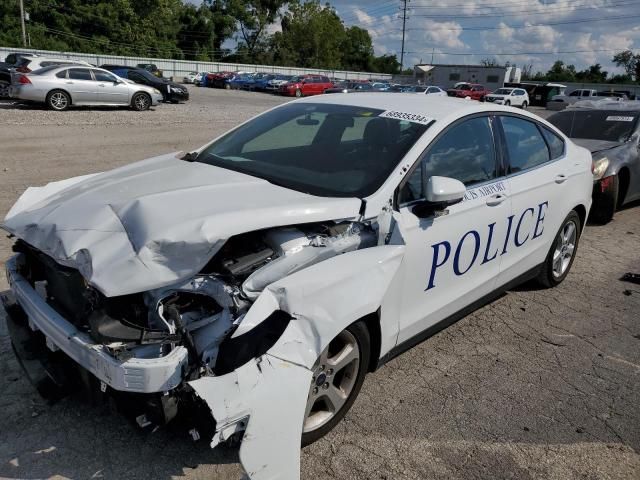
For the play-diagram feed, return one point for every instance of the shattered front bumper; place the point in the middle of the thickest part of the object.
(138, 375)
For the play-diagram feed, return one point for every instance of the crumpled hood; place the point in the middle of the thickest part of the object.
(595, 145)
(158, 221)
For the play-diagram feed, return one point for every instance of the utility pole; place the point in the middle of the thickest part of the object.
(404, 24)
(24, 30)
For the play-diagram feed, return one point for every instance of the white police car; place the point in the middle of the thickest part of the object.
(253, 283)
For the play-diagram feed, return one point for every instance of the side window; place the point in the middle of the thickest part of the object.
(103, 76)
(136, 77)
(575, 93)
(556, 145)
(525, 144)
(465, 152)
(62, 74)
(80, 74)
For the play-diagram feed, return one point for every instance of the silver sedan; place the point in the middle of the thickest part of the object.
(60, 87)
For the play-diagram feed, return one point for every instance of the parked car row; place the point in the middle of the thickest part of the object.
(562, 101)
(62, 83)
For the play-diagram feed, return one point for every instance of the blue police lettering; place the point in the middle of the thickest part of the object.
(539, 221)
(476, 249)
(486, 251)
(506, 238)
(441, 251)
(516, 237)
(435, 265)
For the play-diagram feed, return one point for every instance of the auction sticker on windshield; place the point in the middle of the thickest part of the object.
(615, 118)
(411, 117)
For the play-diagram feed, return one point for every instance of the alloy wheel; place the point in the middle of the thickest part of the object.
(565, 247)
(142, 102)
(334, 376)
(58, 101)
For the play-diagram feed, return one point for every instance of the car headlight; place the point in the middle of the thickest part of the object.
(176, 90)
(599, 167)
(157, 92)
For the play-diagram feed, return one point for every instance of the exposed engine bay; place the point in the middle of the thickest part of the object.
(200, 314)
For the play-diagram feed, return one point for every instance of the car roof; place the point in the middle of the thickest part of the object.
(606, 105)
(438, 108)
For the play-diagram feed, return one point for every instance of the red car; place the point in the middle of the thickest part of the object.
(305, 85)
(473, 90)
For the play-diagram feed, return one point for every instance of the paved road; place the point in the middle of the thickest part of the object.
(540, 384)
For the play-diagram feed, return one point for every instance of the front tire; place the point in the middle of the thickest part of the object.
(141, 102)
(298, 93)
(337, 378)
(524, 105)
(562, 253)
(507, 103)
(58, 100)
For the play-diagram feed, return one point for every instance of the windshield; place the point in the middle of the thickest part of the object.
(320, 149)
(503, 91)
(608, 125)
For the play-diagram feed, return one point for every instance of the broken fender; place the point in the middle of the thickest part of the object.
(266, 397)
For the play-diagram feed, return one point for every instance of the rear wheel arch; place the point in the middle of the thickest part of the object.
(582, 213)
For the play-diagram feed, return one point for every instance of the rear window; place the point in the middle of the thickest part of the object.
(42, 71)
(80, 74)
(607, 125)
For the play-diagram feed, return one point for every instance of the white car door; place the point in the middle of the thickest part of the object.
(453, 259)
(81, 85)
(538, 172)
(110, 89)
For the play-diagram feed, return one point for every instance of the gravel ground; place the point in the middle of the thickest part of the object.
(540, 384)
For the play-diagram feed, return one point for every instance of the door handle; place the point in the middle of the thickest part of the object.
(561, 178)
(496, 199)
(101, 84)
(69, 83)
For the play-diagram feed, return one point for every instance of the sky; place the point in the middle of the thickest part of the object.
(524, 32)
(537, 31)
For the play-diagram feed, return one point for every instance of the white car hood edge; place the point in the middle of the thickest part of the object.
(156, 222)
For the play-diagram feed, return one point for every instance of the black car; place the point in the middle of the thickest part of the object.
(611, 132)
(171, 92)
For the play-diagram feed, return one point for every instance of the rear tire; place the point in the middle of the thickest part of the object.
(604, 204)
(58, 100)
(141, 102)
(347, 380)
(562, 252)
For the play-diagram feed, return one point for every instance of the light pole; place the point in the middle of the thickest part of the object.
(24, 30)
(404, 23)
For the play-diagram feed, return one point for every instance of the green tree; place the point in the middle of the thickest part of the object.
(357, 49)
(253, 17)
(593, 74)
(560, 72)
(630, 63)
(312, 36)
(385, 64)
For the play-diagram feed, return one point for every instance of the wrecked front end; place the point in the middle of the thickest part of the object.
(227, 353)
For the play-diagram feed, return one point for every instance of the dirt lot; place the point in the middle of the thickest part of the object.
(540, 384)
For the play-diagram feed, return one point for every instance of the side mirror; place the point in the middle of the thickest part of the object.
(439, 193)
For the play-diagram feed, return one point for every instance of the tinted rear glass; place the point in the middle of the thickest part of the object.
(42, 71)
(608, 125)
